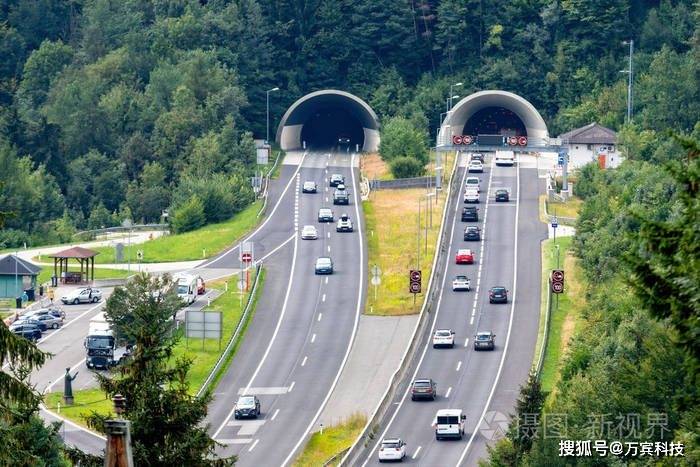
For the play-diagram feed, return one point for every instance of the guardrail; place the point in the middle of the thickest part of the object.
(420, 334)
(414, 182)
(91, 234)
(234, 336)
(266, 184)
(545, 335)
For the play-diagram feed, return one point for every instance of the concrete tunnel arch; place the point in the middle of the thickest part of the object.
(321, 117)
(494, 112)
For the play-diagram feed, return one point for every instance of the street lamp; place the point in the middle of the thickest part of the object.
(452, 92)
(448, 103)
(267, 95)
(629, 79)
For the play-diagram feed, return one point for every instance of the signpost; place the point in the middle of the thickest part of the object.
(415, 278)
(246, 257)
(376, 279)
(558, 281)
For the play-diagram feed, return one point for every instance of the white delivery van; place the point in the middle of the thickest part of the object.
(186, 286)
(449, 423)
(505, 158)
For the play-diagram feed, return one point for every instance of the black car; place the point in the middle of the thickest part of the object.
(472, 233)
(498, 295)
(423, 389)
(247, 406)
(40, 324)
(325, 215)
(341, 197)
(470, 214)
(28, 331)
(485, 340)
(502, 195)
(476, 156)
(337, 179)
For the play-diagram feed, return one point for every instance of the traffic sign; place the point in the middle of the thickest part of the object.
(555, 223)
(376, 280)
(246, 257)
(557, 279)
(376, 271)
(415, 277)
(561, 159)
(557, 287)
(457, 139)
(415, 287)
(558, 275)
(522, 141)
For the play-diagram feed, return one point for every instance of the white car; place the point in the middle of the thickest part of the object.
(471, 195)
(82, 295)
(461, 283)
(309, 187)
(475, 166)
(344, 224)
(444, 338)
(449, 423)
(309, 232)
(392, 449)
(473, 182)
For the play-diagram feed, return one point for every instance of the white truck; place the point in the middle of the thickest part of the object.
(505, 158)
(102, 348)
(449, 423)
(186, 285)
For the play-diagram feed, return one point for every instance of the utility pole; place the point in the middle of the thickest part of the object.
(118, 452)
(267, 101)
(629, 72)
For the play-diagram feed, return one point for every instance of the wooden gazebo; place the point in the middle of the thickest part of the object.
(86, 259)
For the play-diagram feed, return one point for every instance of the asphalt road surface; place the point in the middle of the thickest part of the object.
(482, 383)
(304, 323)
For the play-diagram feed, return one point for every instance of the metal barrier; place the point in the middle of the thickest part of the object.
(266, 183)
(415, 182)
(234, 336)
(545, 336)
(91, 234)
(420, 335)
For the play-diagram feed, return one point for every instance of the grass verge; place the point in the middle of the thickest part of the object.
(565, 309)
(569, 209)
(391, 218)
(100, 273)
(189, 246)
(374, 167)
(86, 402)
(335, 439)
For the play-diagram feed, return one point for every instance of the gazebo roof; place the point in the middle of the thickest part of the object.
(10, 263)
(75, 252)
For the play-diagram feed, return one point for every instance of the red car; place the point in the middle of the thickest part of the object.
(465, 257)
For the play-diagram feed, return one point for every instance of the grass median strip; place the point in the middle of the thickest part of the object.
(335, 439)
(189, 246)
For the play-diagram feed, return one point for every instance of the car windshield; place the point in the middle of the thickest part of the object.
(324, 212)
(498, 290)
(246, 401)
(103, 342)
(422, 384)
(461, 278)
(182, 289)
(464, 252)
(309, 228)
(472, 181)
(390, 445)
(471, 229)
(443, 333)
(323, 262)
(483, 337)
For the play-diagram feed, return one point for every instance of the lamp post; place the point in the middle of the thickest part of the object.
(267, 101)
(452, 92)
(448, 103)
(629, 79)
(128, 224)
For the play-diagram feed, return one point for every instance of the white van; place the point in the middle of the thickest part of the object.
(449, 423)
(186, 286)
(505, 158)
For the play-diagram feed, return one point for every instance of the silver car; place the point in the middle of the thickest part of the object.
(51, 321)
(82, 295)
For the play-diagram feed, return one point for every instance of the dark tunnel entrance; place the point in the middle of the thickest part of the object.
(495, 121)
(330, 127)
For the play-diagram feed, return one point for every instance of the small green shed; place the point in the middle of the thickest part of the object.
(16, 276)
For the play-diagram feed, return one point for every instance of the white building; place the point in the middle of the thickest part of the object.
(590, 143)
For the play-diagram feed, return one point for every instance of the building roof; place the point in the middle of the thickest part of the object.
(590, 134)
(24, 268)
(75, 252)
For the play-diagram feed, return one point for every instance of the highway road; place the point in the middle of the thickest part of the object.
(304, 324)
(484, 384)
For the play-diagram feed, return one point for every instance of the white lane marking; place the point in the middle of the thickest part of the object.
(274, 334)
(415, 454)
(60, 377)
(254, 444)
(323, 298)
(313, 338)
(510, 325)
(274, 250)
(326, 199)
(432, 328)
(71, 322)
(303, 362)
(235, 441)
(294, 176)
(360, 289)
(326, 279)
(471, 320)
(70, 423)
(291, 386)
(466, 342)
(320, 315)
(449, 390)
(329, 235)
(329, 248)
(274, 415)
(264, 390)
(459, 365)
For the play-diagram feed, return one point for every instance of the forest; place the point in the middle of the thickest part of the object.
(113, 110)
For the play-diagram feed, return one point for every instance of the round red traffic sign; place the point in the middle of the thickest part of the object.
(415, 275)
(522, 140)
(558, 275)
(557, 287)
(246, 257)
(512, 140)
(457, 139)
(467, 139)
(415, 287)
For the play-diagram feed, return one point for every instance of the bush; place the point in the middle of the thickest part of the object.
(407, 167)
(401, 138)
(13, 238)
(188, 216)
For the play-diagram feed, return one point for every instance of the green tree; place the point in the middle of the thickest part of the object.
(401, 138)
(166, 420)
(406, 167)
(188, 216)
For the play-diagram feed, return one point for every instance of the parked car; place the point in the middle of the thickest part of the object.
(470, 214)
(461, 283)
(473, 182)
(484, 340)
(47, 320)
(423, 389)
(325, 215)
(498, 295)
(337, 179)
(28, 331)
(309, 232)
(82, 295)
(33, 321)
(309, 187)
(392, 449)
(475, 166)
(443, 338)
(344, 224)
(471, 195)
(246, 407)
(477, 156)
(502, 195)
(472, 233)
(54, 311)
(324, 265)
(464, 256)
